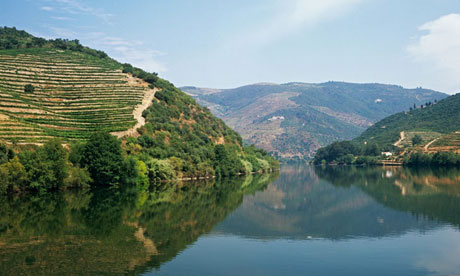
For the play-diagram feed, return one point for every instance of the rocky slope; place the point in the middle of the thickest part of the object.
(293, 120)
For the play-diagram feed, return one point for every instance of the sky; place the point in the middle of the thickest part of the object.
(226, 44)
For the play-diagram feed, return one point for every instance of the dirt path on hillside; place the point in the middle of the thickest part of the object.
(403, 136)
(425, 148)
(146, 103)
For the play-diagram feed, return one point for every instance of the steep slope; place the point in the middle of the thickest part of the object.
(61, 89)
(74, 95)
(441, 118)
(293, 120)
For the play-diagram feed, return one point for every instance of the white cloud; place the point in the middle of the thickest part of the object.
(132, 52)
(439, 47)
(77, 7)
(47, 8)
(145, 59)
(62, 18)
(294, 15)
(63, 33)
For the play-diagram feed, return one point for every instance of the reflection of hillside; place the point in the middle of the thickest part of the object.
(312, 207)
(434, 194)
(111, 232)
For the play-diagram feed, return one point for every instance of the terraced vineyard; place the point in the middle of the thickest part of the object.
(427, 136)
(75, 94)
(449, 142)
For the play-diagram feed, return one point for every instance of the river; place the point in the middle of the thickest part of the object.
(303, 221)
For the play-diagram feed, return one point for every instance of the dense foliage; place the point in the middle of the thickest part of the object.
(101, 228)
(439, 159)
(180, 139)
(102, 155)
(348, 152)
(186, 138)
(11, 38)
(441, 117)
(432, 118)
(43, 169)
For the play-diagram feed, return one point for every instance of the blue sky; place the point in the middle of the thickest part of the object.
(223, 44)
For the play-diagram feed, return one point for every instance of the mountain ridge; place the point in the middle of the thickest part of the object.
(293, 120)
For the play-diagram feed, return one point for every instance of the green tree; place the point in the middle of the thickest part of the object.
(102, 156)
(416, 140)
(13, 176)
(29, 88)
(57, 156)
(5, 154)
(46, 167)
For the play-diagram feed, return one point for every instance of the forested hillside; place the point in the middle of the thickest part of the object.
(59, 89)
(442, 117)
(424, 135)
(293, 120)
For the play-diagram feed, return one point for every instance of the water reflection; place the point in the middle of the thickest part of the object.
(347, 202)
(112, 231)
(427, 193)
(340, 212)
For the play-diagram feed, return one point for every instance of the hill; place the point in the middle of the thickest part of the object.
(428, 135)
(72, 90)
(437, 124)
(61, 89)
(293, 120)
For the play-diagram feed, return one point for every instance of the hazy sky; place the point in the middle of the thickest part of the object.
(222, 44)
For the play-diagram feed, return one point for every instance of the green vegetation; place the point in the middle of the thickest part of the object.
(439, 159)
(11, 38)
(348, 153)
(103, 158)
(292, 121)
(49, 93)
(127, 231)
(187, 139)
(429, 193)
(417, 140)
(426, 137)
(442, 117)
(431, 129)
(80, 96)
(29, 88)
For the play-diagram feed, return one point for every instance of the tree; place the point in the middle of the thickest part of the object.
(46, 167)
(57, 155)
(102, 156)
(416, 140)
(29, 88)
(13, 176)
(5, 154)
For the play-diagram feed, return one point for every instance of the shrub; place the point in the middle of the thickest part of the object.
(46, 167)
(13, 176)
(29, 88)
(102, 156)
(78, 178)
(6, 154)
(159, 170)
(416, 140)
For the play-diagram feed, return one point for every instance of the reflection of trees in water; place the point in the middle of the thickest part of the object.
(111, 231)
(431, 193)
(341, 203)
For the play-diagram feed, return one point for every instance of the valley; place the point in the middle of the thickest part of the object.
(293, 120)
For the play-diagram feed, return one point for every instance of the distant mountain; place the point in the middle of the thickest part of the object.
(293, 120)
(438, 124)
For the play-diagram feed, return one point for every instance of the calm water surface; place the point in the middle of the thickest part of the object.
(304, 221)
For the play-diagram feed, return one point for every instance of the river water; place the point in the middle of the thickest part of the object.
(304, 221)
